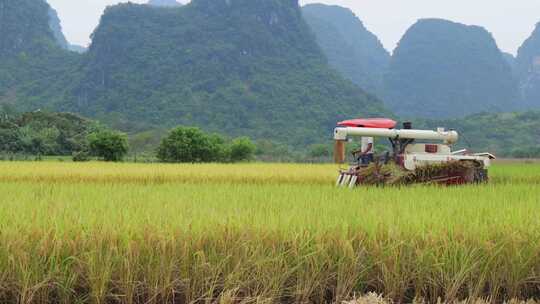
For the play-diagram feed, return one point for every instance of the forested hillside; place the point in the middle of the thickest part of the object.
(56, 28)
(445, 69)
(238, 67)
(24, 26)
(528, 69)
(33, 65)
(350, 47)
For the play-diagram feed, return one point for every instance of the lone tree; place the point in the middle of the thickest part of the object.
(242, 149)
(191, 145)
(109, 145)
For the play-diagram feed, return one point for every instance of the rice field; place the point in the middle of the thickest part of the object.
(260, 233)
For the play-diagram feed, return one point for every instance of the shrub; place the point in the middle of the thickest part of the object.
(108, 145)
(242, 149)
(191, 145)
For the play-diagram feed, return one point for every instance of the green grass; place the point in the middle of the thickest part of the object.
(125, 233)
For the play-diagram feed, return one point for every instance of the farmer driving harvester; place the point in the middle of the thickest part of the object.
(365, 155)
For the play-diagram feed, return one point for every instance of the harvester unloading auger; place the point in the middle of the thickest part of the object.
(409, 162)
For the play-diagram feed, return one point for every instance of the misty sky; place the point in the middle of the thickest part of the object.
(510, 21)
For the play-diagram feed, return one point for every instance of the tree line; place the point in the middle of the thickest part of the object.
(39, 134)
(65, 134)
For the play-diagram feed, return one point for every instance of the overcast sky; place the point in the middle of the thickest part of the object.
(510, 21)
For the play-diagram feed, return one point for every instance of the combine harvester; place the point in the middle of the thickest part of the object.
(409, 162)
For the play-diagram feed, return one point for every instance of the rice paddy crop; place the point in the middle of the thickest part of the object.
(129, 233)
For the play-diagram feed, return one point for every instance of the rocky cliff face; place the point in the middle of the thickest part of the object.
(31, 58)
(56, 28)
(527, 68)
(350, 48)
(446, 69)
(29, 26)
(24, 26)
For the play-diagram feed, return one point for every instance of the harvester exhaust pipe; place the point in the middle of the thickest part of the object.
(339, 151)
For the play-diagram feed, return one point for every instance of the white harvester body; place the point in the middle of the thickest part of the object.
(408, 153)
(415, 155)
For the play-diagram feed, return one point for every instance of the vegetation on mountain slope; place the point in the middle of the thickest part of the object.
(235, 67)
(56, 28)
(444, 69)
(24, 27)
(350, 47)
(34, 69)
(528, 69)
(241, 68)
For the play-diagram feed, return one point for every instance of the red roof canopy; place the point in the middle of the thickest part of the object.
(377, 123)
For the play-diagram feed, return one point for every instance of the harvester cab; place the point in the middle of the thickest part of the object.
(417, 156)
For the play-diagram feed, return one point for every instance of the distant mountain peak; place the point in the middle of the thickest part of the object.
(349, 46)
(527, 69)
(164, 3)
(446, 69)
(56, 28)
(240, 67)
(29, 26)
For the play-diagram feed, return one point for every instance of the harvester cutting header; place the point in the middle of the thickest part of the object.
(409, 161)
